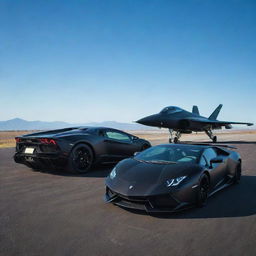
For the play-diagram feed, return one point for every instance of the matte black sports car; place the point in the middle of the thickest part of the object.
(172, 177)
(76, 148)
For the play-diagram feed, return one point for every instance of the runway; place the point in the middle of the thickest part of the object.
(53, 213)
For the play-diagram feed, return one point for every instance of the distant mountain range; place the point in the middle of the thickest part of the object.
(21, 124)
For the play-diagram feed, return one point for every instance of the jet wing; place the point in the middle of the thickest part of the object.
(216, 122)
(223, 123)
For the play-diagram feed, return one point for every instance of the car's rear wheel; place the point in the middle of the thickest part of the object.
(203, 190)
(238, 172)
(81, 159)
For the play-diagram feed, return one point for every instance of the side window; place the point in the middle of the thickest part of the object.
(118, 136)
(209, 154)
(91, 131)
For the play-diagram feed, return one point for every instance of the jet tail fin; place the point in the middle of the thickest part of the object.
(195, 110)
(215, 113)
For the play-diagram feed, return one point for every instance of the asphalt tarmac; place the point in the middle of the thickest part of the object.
(54, 213)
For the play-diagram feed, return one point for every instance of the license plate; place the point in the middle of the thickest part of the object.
(29, 150)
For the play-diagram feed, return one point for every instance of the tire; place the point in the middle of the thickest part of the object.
(170, 140)
(80, 159)
(203, 190)
(176, 140)
(238, 173)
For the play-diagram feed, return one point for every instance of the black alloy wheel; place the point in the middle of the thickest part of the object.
(238, 172)
(81, 159)
(203, 190)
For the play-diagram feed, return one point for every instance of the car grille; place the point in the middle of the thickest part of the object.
(163, 201)
(160, 201)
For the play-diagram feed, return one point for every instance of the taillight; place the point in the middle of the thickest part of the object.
(48, 141)
(18, 140)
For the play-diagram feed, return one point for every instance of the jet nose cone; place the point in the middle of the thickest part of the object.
(142, 120)
(152, 120)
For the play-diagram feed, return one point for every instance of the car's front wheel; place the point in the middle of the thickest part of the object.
(203, 190)
(80, 159)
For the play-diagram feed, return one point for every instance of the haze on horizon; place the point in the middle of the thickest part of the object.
(93, 61)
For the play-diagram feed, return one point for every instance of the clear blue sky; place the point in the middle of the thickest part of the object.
(82, 61)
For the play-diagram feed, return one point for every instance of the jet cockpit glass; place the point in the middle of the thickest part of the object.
(170, 110)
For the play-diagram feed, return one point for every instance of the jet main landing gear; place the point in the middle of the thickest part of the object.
(211, 136)
(176, 135)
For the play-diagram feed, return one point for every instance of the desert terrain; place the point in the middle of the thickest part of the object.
(7, 138)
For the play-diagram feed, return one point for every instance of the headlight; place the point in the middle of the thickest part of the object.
(112, 175)
(174, 182)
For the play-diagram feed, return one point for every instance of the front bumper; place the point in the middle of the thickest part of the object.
(150, 204)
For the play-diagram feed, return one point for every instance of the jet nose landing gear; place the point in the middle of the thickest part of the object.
(177, 135)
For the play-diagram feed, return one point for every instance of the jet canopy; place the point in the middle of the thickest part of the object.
(170, 110)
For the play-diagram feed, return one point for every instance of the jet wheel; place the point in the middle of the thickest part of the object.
(214, 139)
(176, 140)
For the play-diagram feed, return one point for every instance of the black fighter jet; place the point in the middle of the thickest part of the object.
(181, 121)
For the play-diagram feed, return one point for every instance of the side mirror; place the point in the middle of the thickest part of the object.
(216, 160)
(136, 153)
(135, 138)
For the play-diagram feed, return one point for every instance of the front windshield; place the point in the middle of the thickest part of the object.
(170, 154)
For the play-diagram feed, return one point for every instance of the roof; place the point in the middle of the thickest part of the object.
(201, 145)
(184, 145)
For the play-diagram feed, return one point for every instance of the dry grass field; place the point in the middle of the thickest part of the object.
(162, 136)
(7, 138)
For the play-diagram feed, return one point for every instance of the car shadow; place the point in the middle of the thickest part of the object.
(234, 201)
(99, 171)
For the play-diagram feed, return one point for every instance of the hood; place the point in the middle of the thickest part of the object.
(146, 178)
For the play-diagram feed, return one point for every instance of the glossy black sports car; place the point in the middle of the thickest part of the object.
(172, 177)
(76, 148)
